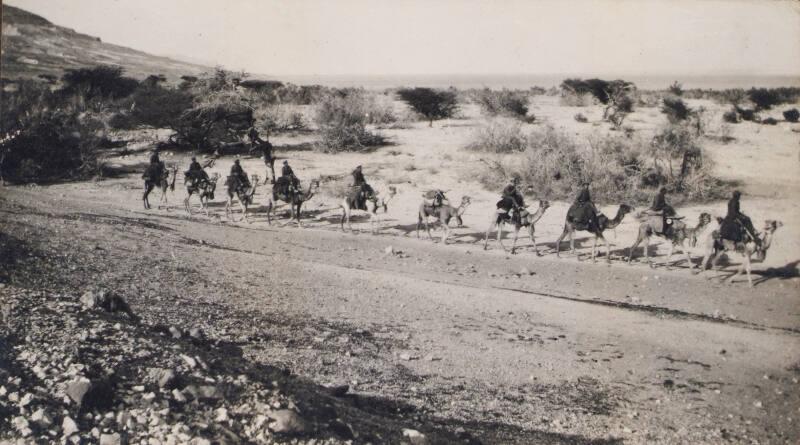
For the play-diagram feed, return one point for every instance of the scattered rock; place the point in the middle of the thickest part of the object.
(175, 332)
(415, 437)
(41, 418)
(111, 439)
(77, 389)
(21, 425)
(288, 422)
(69, 427)
(164, 378)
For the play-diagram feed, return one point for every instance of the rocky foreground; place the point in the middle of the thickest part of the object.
(87, 370)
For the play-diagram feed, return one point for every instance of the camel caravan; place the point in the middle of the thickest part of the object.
(707, 239)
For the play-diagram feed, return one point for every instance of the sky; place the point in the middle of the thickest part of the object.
(471, 37)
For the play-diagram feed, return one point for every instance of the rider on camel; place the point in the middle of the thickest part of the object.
(196, 174)
(511, 201)
(290, 178)
(584, 202)
(238, 173)
(361, 183)
(736, 217)
(156, 169)
(660, 207)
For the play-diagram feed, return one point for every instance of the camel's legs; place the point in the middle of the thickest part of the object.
(428, 228)
(488, 231)
(594, 247)
(558, 242)
(228, 207)
(500, 235)
(639, 239)
(419, 223)
(269, 211)
(244, 210)
(516, 236)
(747, 268)
(572, 243)
(164, 198)
(446, 229)
(297, 213)
(147, 189)
(716, 260)
(187, 206)
(533, 240)
(688, 257)
(608, 248)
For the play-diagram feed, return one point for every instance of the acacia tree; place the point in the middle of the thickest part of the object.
(614, 94)
(433, 104)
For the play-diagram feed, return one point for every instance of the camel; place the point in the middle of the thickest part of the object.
(715, 245)
(677, 234)
(370, 203)
(526, 219)
(162, 183)
(204, 189)
(443, 214)
(245, 194)
(597, 230)
(295, 200)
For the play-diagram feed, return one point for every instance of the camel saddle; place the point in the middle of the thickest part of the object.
(357, 196)
(661, 222)
(733, 230)
(582, 215)
(282, 187)
(154, 172)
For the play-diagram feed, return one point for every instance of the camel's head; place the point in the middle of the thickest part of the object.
(214, 178)
(254, 179)
(465, 201)
(771, 225)
(544, 204)
(391, 191)
(705, 219)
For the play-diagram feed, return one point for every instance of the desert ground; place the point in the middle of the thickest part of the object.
(494, 347)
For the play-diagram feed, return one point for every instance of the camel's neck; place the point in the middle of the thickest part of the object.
(699, 227)
(174, 176)
(767, 240)
(538, 214)
(462, 208)
(617, 219)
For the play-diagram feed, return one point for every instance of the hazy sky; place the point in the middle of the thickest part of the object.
(450, 36)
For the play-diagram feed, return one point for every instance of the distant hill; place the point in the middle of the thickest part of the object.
(31, 45)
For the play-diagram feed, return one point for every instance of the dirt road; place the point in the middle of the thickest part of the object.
(512, 349)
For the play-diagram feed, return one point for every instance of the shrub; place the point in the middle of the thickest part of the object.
(342, 124)
(430, 103)
(43, 137)
(766, 98)
(675, 109)
(101, 82)
(506, 103)
(621, 169)
(499, 136)
(770, 121)
(791, 115)
(731, 117)
(676, 89)
(581, 118)
(51, 145)
(746, 114)
(154, 106)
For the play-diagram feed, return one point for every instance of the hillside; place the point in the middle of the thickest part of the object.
(32, 45)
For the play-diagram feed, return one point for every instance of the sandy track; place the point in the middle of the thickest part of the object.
(568, 352)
